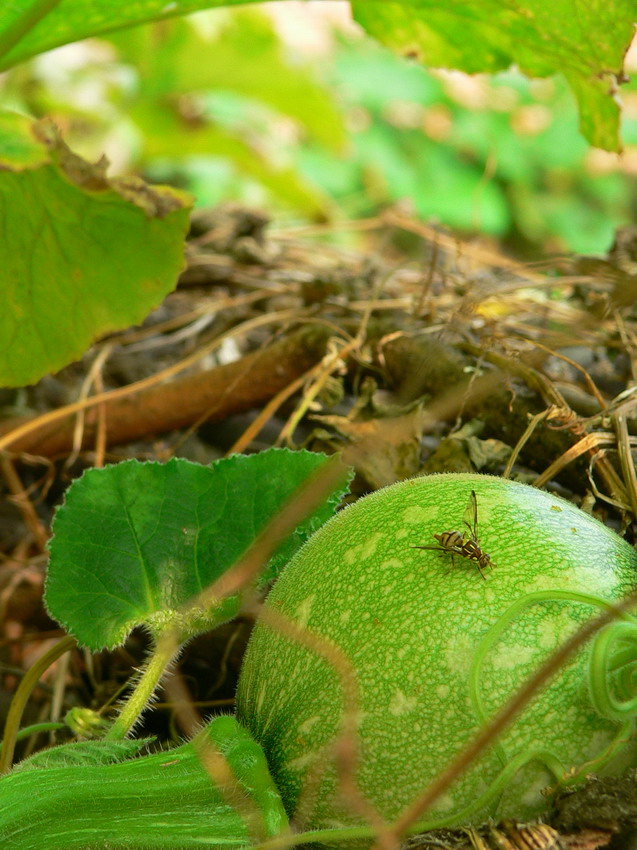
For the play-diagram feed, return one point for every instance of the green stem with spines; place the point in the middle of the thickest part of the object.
(164, 652)
(172, 800)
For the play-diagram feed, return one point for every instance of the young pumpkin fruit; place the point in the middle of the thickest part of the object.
(437, 647)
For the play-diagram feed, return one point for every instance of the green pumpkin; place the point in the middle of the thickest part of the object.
(437, 648)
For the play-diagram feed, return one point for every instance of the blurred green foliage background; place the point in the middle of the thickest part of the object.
(318, 123)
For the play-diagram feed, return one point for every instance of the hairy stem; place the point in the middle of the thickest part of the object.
(166, 650)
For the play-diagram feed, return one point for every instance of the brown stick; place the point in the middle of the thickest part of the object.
(216, 394)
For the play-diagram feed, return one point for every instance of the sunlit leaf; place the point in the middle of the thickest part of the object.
(76, 263)
(584, 39)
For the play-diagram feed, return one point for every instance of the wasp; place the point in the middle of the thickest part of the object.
(464, 543)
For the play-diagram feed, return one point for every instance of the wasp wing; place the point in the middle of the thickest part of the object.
(471, 515)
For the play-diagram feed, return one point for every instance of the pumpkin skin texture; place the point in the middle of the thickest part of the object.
(437, 649)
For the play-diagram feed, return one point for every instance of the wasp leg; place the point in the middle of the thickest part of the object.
(453, 564)
(482, 569)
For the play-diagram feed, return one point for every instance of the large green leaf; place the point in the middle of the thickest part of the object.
(76, 262)
(133, 543)
(584, 39)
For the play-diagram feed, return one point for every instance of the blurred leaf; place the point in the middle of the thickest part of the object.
(30, 27)
(244, 57)
(374, 77)
(584, 39)
(166, 134)
(580, 225)
(460, 195)
(338, 177)
(133, 543)
(434, 178)
(19, 146)
(75, 246)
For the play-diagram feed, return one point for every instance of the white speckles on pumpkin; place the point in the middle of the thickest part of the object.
(599, 741)
(391, 565)
(551, 630)
(511, 655)
(446, 803)
(420, 514)
(302, 762)
(551, 718)
(309, 724)
(350, 556)
(458, 652)
(400, 703)
(535, 788)
(303, 611)
(362, 551)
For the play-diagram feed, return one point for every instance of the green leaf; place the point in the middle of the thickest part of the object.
(164, 801)
(134, 542)
(30, 27)
(584, 39)
(76, 252)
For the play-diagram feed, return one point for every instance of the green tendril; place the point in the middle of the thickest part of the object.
(623, 663)
(603, 700)
(338, 834)
(548, 760)
(579, 774)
